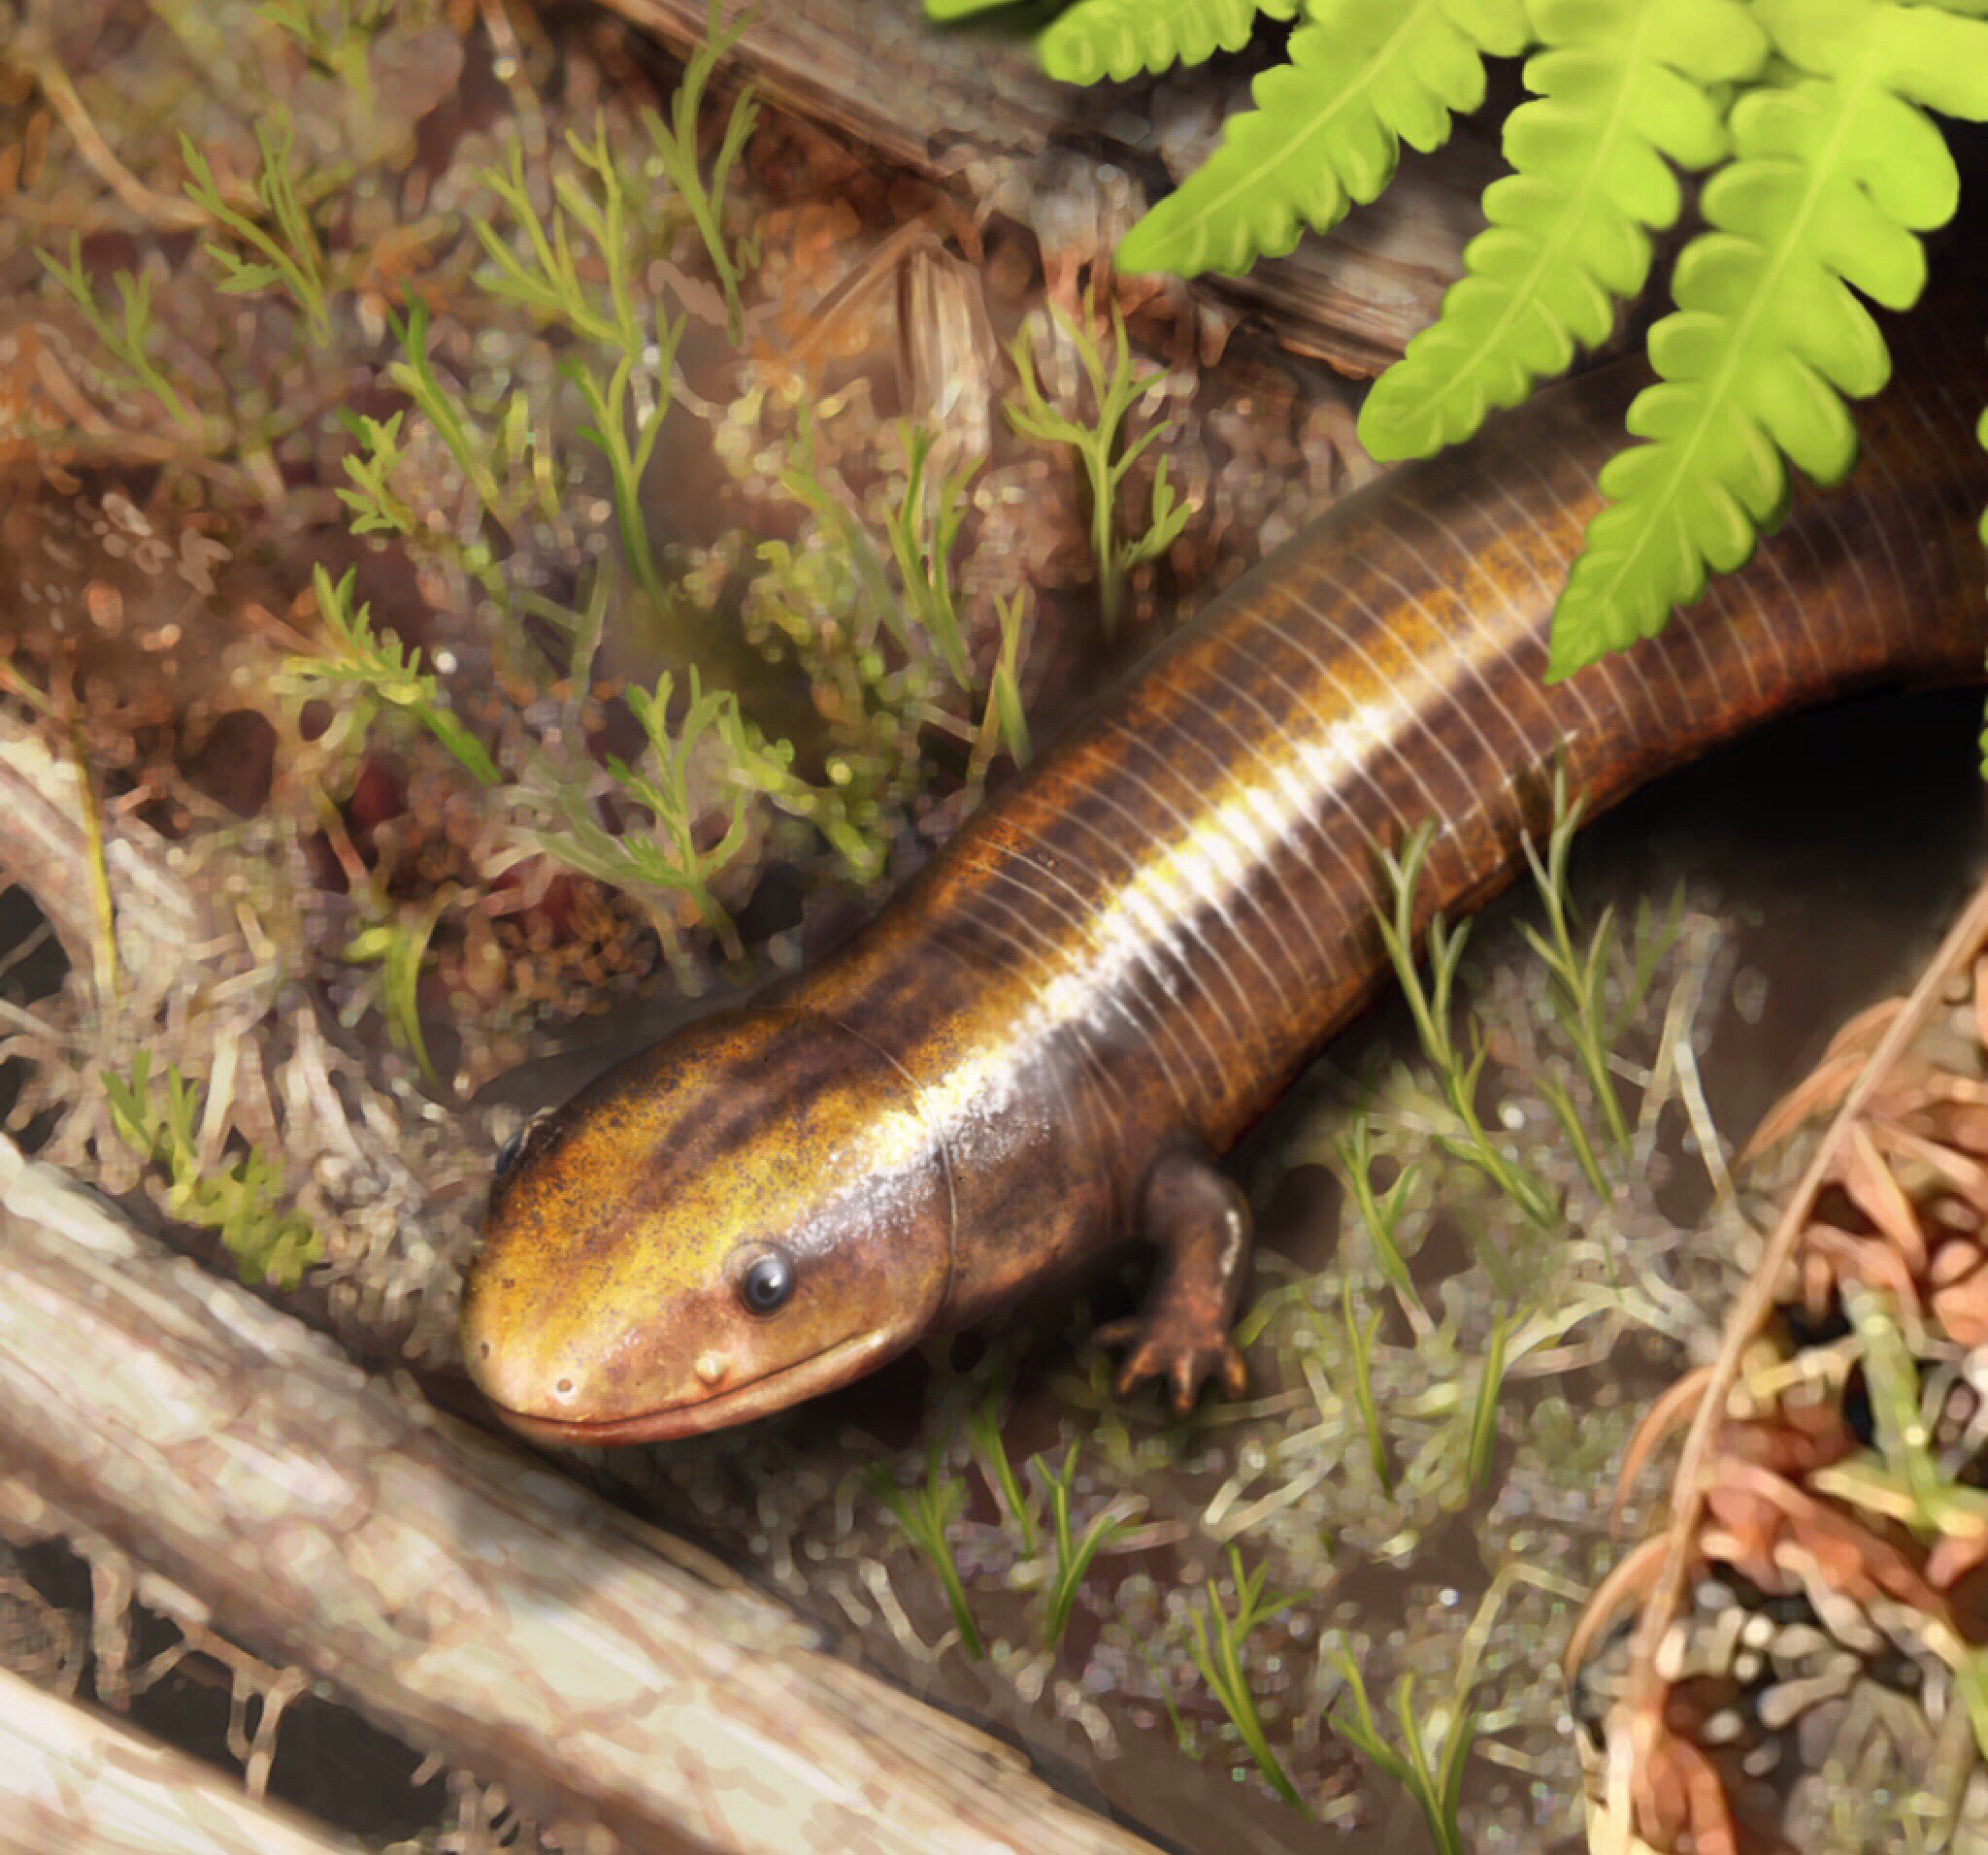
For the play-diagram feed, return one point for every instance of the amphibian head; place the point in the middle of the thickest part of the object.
(750, 1214)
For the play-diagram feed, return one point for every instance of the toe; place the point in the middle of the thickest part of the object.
(1235, 1374)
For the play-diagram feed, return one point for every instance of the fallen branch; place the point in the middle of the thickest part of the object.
(73, 1782)
(459, 1596)
(973, 110)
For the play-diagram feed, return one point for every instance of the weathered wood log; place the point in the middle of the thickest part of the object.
(975, 111)
(74, 1782)
(44, 846)
(458, 1594)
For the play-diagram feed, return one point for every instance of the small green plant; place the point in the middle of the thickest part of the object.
(1902, 1476)
(1219, 1637)
(281, 246)
(1380, 1217)
(1436, 1783)
(1102, 451)
(336, 37)
(1579, 976)
(1438, 1739)
(379, 672)
(1484, 1412)
(927, 1514)
(413, 373)
(1003, 723)
(512, 470)
(398, 945)
(128, 338)
(675, 856)
(921, 530)
(242, 1202)
(676, 145)
(1812, 120)
(1360, 1350)
(983, 1423)
(638, 383)
(1430, 1006)
(1074, 1555)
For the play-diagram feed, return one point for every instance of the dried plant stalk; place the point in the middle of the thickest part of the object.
(1762, 1484)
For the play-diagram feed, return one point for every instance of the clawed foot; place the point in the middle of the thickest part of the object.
(1186, 1355)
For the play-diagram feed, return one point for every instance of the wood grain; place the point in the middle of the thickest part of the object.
(74, 1782)
(974, 110)
(459, 1594)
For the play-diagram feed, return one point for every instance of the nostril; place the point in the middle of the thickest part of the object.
(564, 1387)
(485, 1349)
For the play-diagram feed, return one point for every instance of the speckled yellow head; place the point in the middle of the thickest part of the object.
(747, 1216)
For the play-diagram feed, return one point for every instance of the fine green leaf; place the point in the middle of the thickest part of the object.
(1364, 76)
(1121, 38)
(1621, 90)
(1836, 170)
(946, 11)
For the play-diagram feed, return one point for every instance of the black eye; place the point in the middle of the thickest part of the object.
(507, 1154)
(766, 1285)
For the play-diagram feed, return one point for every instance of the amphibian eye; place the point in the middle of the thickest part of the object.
(767, 1284)
(513, 1149)
(508, 1153)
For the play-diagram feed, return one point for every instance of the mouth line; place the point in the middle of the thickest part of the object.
(759, 1396)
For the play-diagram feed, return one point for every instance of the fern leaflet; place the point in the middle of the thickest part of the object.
(1621, 87)
(1121, 38)
(1364, 77)
(1836, 170)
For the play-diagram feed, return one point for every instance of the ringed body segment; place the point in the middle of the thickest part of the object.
(1040, 1046)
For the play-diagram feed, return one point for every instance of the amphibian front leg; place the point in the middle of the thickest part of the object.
(1199, 1221)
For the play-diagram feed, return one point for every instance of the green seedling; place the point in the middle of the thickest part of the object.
(921, 530)
(677, 153)
(1436, 1741)
(1217, 1647)
(1074, 1555)
(280, 246)
(1484, 1412)
(983, 1423)
(131, 337)
(1902, 1477)
(378, 671)
(413, 373)
(1004, 722)
(1435, 1785)
(1380, 1217)
(1101, 453)
(591, 208)
(1360, 1349)
(672, 857)
(399, 947)
(242, 1202)
(927, 1514)
(608, 404)
(1430, 1006)
(1580, 977)
(338, 38)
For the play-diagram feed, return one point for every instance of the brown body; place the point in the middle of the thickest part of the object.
(1114, 969)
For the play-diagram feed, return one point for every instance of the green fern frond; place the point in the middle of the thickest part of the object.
(1364, 77)
(1621, 92)
(1121, 38)
(1835, 173)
